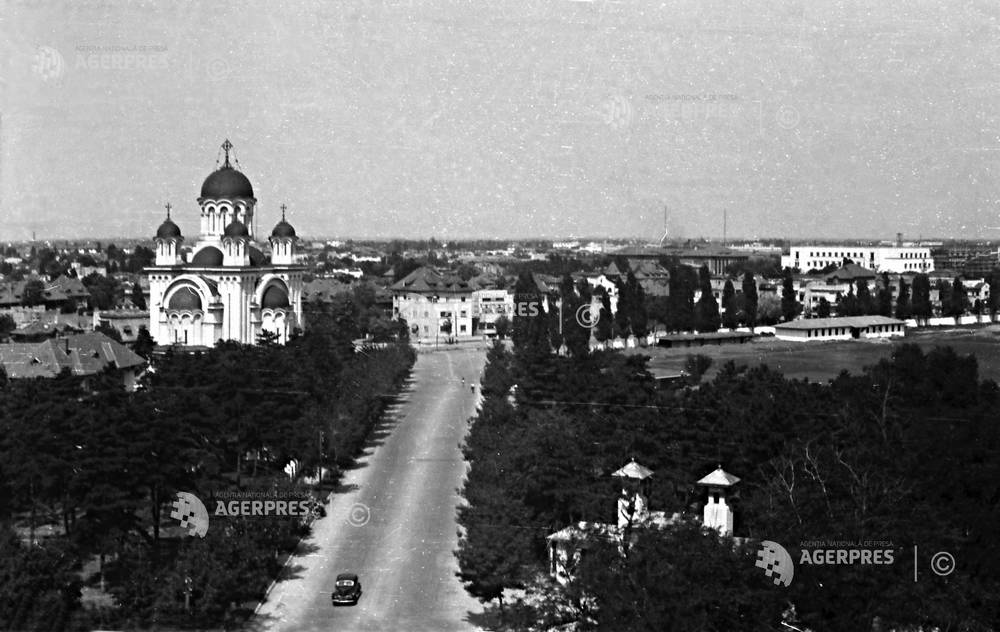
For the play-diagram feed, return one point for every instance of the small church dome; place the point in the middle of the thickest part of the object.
(209, 256)
(237, 228)
(168, 230)
(283, 229)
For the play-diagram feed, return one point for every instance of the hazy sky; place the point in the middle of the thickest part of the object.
(379, 118)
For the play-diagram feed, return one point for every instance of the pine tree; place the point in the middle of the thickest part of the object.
(903, 309)
(883, 298)
(576, 337)
(603, 329)
(621, 317)
(922, 308)
(749, 300)
(994, 300)
(530, 330)
(959, 302)
(847, 304)
(790, 307)
(638, 320)
(865, 305)
(730, 317)
(823, 309)
(680, 315)
(138, 298)
(707, 318)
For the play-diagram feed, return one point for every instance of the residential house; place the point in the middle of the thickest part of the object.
(81, 354)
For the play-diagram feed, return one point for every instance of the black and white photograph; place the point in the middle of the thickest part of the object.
(500, 315)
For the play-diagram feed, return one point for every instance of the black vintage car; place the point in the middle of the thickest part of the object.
(347, 589)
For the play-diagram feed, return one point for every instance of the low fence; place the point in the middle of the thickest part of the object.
(953, 321)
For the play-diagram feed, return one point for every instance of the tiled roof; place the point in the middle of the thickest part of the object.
(719, 478)
(38, 328)
(82, 354)
(61, 289)
(850, 272)
(645, 269)
(323, 289)
(845, 321)
(711, 251)
(426, 280)
(633, 470)
(71, 287)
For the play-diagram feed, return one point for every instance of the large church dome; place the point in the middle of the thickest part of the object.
(226, 182)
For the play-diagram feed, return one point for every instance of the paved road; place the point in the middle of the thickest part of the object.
(397, 528)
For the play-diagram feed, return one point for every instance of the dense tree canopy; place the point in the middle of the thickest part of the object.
(103, 464)
(868, 456)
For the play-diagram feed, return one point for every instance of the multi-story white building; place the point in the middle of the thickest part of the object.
(490, 305)
(437, 308)
(878, 258)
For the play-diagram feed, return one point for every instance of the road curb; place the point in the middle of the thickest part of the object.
(288, 560)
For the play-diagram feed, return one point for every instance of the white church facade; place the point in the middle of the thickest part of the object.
(225, 288)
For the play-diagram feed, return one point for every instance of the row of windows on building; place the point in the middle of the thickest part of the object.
(842, 331)
(853, 255)
(824, 263)
(861, 255)
(461, 314)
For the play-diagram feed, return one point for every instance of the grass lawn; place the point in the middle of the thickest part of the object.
(823, 361)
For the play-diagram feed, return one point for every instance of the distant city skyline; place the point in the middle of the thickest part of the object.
(376, 119)
(732, 242)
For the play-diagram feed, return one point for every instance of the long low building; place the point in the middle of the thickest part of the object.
(844, 328)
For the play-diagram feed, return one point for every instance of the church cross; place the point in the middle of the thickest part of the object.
(226, 146)
(283, 207)
(168, 207)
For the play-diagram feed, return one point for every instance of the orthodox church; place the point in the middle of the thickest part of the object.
(225, 287)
